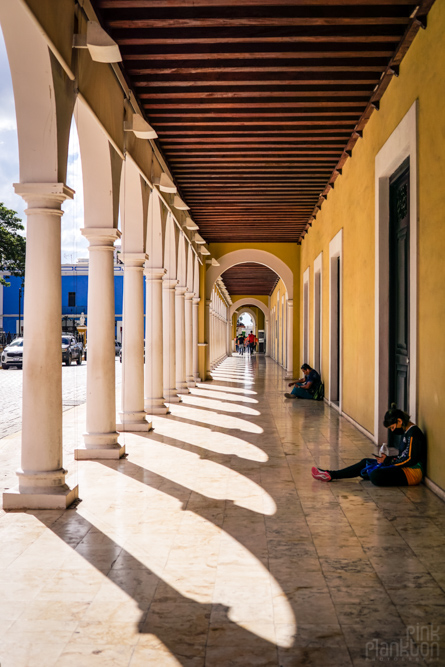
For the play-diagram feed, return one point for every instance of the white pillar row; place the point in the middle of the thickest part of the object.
(189, 349)
(267, 335)
(101, 437)
(154, 402)
(196, 301)
(133, 417)
(41, 477)
(169, 327)
(181, 382)
(290, 337)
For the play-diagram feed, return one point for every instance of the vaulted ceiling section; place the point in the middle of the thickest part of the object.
(250, 278)
(259, 103)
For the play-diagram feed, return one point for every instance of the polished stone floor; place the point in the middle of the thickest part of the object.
(211, 545)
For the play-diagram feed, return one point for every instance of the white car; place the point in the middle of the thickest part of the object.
(12, 355)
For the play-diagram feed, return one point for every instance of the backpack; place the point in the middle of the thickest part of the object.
(318, 394)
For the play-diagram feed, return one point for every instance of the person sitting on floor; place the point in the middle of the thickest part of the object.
(406, 469)
(306, 386)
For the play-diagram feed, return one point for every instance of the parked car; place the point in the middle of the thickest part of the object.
(71, 349)
(12, 355)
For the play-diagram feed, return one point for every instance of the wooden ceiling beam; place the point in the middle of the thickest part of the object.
(169, 4)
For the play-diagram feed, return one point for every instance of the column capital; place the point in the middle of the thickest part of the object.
(134, 260)
(101, 236)
(189, 295)
(152, 273)
(38, 194)
(169, 283)
(290, 303)
(196, 300)
(180, 290)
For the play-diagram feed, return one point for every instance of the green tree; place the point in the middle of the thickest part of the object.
(12, 244)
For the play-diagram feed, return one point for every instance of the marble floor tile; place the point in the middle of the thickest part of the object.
(211, 545)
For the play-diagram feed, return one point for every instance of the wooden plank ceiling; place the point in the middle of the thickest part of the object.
(250, 278)
(259, 103)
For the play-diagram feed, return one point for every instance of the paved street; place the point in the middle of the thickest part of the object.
(74, 380)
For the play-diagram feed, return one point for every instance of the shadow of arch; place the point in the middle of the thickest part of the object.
(185, 630)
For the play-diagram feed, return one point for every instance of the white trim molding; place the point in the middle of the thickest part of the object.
(318, 313)
(335, 346)
(401, 144)
(306, 299)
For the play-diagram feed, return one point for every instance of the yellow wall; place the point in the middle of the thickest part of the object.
(351, 206)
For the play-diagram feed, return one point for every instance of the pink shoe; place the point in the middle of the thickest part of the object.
(322, 475)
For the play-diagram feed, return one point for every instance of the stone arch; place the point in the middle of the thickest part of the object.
(132, 209)
(250, 255)
(155, 231)
(249, 311)
(44, 98)
(249, 302)
(181, 261)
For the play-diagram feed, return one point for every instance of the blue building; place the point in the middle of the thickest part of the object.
(74, 298)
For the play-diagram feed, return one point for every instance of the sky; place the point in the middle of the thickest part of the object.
(73, 244)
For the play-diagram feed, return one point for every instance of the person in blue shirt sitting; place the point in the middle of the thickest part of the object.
(306, 386)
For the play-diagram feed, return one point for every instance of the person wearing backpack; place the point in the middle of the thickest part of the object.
(308, 386)
(405, 469)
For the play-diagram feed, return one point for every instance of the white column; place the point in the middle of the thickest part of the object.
(189, 340)
(101, 437)
(181, 382)
(196, 301)
(41, 477)
(267, 335)
(290, 338)
(207, 318)
(133, 417)
(169, 326)
(154, 345)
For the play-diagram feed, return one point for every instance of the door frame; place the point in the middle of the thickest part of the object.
(306, 299)
(400, 145)
(318, 311)
(336, 310)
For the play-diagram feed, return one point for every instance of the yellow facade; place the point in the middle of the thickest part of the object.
(351, 207)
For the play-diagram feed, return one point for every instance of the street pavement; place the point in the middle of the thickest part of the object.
(74, 380)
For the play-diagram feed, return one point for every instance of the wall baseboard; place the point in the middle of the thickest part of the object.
(435, 488)
(359, 427)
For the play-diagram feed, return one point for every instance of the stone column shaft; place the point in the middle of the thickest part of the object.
(154, 343)
(41, 478)
(196, 301)
(169, 326)
(133, 417)
(101, 437)
(189, 376)
(180, 340)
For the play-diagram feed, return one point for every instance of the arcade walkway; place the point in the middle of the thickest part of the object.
(210, 544)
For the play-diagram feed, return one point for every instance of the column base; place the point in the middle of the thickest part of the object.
(182, 388)
(57, 499)
(155, 407)
(191, 383)
(289, 375)
(172, 398)
(99, 446)
(197, 379)
(133, 421)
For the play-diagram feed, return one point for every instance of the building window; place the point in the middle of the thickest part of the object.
(71, 299)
